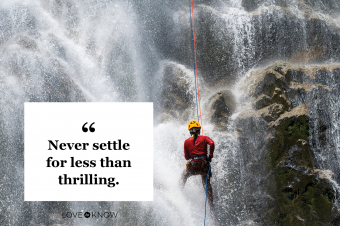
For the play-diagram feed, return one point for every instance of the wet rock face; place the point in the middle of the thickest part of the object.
(318, 87)
(288, 131)
(27, 43)
(297, 106)
(294, 182)
(176, 95)
(262, 101)
(272, 90)
(229, 45)
(324, 6)
(251, 5)
(253, 136)
(269, 34)
(50, 213)
(272, 112)
(220, 106)
(304, 199)
(57, 86)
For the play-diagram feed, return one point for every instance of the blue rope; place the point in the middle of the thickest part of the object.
(206, 193)
(193, 58)
(198, 119)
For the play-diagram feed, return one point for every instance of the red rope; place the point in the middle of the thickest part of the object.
(193, 26)
(198, 90)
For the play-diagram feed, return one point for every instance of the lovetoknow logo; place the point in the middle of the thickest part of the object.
(89, 214)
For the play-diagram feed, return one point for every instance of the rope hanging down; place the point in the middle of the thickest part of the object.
(206, 195)
(193, 43)
(198, 105)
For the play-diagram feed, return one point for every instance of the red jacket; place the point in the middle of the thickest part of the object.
(200, 147)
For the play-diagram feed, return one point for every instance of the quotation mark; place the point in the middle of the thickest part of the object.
(87, 129)
(87, 214)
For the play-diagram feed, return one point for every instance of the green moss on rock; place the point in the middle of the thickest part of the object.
(301, 197)
(272, 87)
(288, 132)
(280, 98)
(262, 102)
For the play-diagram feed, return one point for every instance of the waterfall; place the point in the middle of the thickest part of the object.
(135, 51)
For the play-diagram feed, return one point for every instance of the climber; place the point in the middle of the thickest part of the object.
(195, 150)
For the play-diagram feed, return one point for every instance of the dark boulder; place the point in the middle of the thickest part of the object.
(220, 107)
(262, 101)
(176, 95)
(298, 174)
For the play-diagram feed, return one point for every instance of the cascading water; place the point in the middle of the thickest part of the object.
(102, 50)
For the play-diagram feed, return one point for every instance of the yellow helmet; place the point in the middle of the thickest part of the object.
(193, 123)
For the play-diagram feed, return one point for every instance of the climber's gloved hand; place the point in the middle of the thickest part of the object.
(209, 158)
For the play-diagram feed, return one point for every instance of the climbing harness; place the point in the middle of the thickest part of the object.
(193, 44)
(193, 160)
(200, 157)
(200, 169)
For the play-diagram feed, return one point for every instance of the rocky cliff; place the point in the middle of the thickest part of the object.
(283, 137)
(276, 125)
(291, 101)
